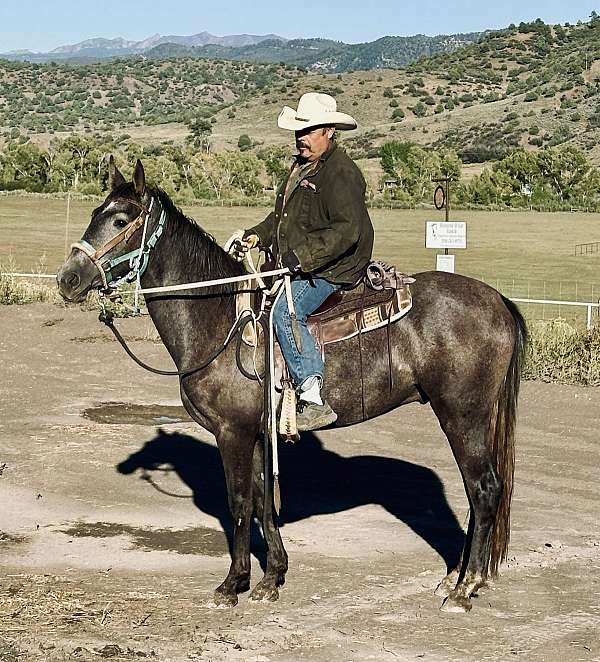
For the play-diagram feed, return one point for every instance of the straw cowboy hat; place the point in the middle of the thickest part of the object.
(314, 109)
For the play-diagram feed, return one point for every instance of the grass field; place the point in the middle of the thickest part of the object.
(524, 254)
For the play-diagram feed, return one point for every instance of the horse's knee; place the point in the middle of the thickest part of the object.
(240, 508)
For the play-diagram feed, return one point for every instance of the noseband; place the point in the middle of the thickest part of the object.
(138, 258)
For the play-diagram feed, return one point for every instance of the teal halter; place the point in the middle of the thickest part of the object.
(137, 258)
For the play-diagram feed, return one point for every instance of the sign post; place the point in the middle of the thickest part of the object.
(445, 234)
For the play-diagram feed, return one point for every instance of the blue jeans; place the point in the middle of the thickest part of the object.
(307, 295)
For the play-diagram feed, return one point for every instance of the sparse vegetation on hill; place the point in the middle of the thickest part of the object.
(51, 97)
(524, 90)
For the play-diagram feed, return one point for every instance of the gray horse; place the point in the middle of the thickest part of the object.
(460, 349)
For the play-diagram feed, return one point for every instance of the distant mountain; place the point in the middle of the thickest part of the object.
(100, 48)
(327, 55)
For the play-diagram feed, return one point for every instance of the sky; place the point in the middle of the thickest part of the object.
(41, 25)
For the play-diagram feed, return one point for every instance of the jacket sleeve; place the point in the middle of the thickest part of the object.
(345, 207)
(265, 230)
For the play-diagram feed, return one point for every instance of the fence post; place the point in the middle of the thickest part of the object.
(67, 223)
(589, 317)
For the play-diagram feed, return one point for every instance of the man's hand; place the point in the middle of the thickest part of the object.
(240, 243)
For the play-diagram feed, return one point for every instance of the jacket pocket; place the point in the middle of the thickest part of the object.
(306, 208)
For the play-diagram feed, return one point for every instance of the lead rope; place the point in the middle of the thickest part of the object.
(272, 409)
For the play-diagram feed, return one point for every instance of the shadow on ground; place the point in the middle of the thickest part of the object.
(316, 481)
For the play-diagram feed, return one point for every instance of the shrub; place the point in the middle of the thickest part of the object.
(244, 142)
(558, 352)
(19, 291)
(419, 110)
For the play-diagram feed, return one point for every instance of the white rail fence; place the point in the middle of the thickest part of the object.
(545, 302)
(589, 306)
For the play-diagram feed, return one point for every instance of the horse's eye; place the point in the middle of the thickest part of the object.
(121, 223)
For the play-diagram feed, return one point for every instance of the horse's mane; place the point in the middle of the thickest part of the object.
(198, 249)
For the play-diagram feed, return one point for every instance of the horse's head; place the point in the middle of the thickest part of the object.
(111, 243)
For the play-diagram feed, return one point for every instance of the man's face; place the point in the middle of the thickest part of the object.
(312, 143)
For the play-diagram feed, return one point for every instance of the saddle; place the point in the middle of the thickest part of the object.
(382, 297)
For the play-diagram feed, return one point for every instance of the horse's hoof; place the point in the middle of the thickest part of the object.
(443, 589)
(223, 600)
(264, 593)
(456, 605)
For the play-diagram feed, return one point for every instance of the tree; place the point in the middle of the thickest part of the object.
(522, 168)
(22, 166)
(567, 170)
(392, 153)
(277, 164)
(200, 129)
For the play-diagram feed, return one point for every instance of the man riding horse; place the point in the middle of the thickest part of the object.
(321, 230)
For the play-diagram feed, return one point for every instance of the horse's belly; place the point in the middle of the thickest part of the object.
(360, 383)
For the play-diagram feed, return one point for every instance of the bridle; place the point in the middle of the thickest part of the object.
(138, 258)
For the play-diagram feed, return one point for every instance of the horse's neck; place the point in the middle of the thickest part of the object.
(192, 326)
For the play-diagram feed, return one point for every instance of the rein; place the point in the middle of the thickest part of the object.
(106, 317)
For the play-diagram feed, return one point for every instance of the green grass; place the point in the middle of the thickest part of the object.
(524, 254)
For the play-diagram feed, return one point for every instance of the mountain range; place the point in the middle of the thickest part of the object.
(100, 48)
(324, 55)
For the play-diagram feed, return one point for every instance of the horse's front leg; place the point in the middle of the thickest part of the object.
(277, 560)
(236, 447)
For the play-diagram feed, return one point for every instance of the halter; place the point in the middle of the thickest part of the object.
(138, 258)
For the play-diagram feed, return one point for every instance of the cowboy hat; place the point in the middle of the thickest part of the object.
(314, 109)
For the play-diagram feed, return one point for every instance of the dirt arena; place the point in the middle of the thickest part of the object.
(114, 506)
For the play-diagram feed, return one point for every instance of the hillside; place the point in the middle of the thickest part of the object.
(530, 85)
(58, 97)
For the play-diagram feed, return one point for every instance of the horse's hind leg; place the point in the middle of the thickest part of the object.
(277, 561)
(236, 449)
(468, 440)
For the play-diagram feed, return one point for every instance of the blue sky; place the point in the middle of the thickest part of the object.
(45, 24)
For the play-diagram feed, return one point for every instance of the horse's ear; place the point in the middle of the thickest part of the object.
(139, 179)
(115, 178)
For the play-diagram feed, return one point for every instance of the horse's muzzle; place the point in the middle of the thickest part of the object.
(75, 279)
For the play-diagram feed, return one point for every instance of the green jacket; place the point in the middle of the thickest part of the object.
(324, 221)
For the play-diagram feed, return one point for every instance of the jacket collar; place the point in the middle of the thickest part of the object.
(329, 152)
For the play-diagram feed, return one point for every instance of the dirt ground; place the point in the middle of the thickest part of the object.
(114, 512)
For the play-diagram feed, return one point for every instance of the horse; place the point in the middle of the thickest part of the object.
(460, 349)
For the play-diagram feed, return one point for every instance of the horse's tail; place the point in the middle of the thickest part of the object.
(502, 429)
